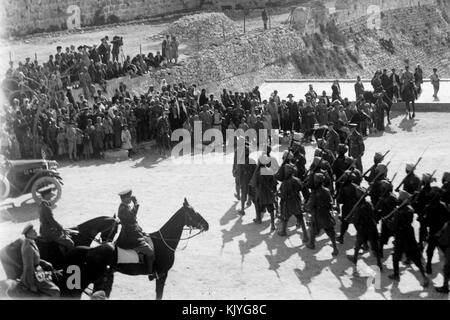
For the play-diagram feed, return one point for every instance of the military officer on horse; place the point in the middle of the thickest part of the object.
(132, 236)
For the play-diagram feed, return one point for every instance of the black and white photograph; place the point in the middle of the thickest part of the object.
(224, 150)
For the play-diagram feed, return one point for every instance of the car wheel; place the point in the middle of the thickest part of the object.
(45, 182)
(5, 188)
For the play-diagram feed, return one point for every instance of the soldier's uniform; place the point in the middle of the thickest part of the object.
(444, 242)
(412, 182)
(385, 205)
(366, 228)
(377, 159)
(320, 205)
(423, 198)
(377, 185)
(405, 241)
(290, 202)
(132, 236)
(341, 164)
(445, 196)
(326, 154)
(347, 196)
(435, 215)
(356, 146)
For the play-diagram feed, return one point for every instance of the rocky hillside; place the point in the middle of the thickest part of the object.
(419, 35)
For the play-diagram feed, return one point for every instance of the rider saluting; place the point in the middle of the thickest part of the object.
(132, 236)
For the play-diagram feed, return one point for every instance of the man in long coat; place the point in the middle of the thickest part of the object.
(356, 146)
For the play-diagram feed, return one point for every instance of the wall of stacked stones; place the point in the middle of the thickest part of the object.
(22, 17)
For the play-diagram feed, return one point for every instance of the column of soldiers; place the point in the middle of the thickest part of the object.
(332, 186)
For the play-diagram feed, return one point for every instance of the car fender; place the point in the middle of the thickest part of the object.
(40, 174)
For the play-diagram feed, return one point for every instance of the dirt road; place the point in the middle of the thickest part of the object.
(236, 259)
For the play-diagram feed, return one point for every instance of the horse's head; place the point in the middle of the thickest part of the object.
(193, 218)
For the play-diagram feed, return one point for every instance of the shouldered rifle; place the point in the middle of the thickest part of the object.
(372, 167)
(404, 179)
(352, 212)
(393, 178)
(403, 204)
(350, 167)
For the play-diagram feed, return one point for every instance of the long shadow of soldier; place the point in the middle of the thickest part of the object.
(407, 124)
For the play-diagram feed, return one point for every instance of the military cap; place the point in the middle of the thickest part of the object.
(336, 103)
(378, 156)
(427, 178)
(125, 193)
(27, 228)
(290, 95)
(409, 167)
(353, 125)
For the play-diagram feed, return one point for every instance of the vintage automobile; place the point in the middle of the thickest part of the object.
(19, 177)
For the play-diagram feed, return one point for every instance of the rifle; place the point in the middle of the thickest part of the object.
(352, 212)
(404, 203)
(372, 167)
(393, 178)
(404, 179)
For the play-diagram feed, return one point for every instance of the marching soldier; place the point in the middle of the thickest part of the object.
(405, 242)
(377, 159)
(347, 196)
(340, 165)
(376, 192)
(435, 215)
(291, 203)
(356, 146)
(411, 183)
(356, 177)
(419, 203)
(320, 205)
(366, 228)
(386, 204)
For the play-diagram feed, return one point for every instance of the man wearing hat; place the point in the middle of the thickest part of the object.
(366, 228)
(356, 145)
(33, 277)
(405, 242)
(50, 230)
(341, 164)
(243, 175)
(394, 90)
(407, 77)
(291, 203)
(385, 205)
(411, 183)
(132, 237)
(377, 159)
(320, 205)
(376, 191)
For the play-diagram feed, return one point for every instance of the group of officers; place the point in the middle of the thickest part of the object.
(332, 186)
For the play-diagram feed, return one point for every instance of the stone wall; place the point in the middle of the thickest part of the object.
(22, 17)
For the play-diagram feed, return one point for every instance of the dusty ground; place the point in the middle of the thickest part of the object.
(236, 259)
(136, 36)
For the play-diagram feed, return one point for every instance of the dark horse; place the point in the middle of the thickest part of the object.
(409, 95)
(92, 270)
(388, 97)
(165, 242)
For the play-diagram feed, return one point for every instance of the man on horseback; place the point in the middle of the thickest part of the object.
(50, 230)
(408, 90)
(132, 236)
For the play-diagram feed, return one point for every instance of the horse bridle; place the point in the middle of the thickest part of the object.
(198, 226)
